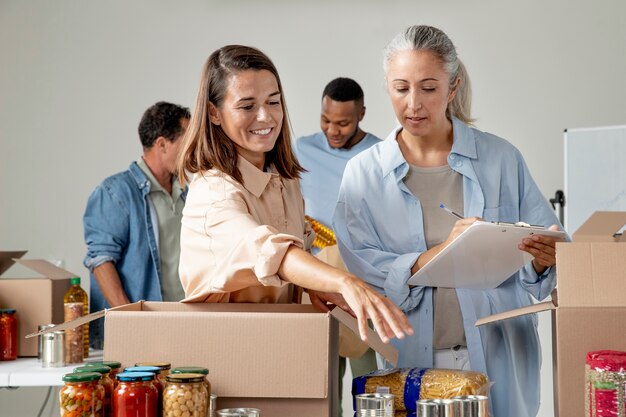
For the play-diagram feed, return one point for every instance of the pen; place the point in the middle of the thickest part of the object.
(454, 213)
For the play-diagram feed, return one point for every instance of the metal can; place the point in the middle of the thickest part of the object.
(437, 408)
(212, 405)
(239, 412)
(40, 337)
(374, 405)
(472, 406)
(53, 349)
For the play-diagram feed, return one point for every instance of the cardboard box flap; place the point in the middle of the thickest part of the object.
(7, 259)
(373, 340)
(601, 227)
(591, 274)
(534, 308)
(86, 319)
(45, 268)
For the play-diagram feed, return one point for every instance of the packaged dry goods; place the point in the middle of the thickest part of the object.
(82, 395)
(605, 382)
(106, 383)
(411, 384)
(135, 395)
(185, 395)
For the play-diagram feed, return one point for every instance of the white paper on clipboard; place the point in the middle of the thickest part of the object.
(481, 257)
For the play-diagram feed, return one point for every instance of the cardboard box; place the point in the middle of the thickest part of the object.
(280, 358)
(590, 310)
(38, 300)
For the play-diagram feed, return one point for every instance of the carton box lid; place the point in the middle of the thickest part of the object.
(7, 259)
(373, 340)
(602, 227)
(41, 266)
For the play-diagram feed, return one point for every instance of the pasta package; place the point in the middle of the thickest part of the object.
(412, 384)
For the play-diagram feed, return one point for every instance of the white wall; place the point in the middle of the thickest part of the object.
(75, 77)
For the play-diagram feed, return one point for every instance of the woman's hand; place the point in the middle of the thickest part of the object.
(543, 250)
(389, 321)
(322, 300)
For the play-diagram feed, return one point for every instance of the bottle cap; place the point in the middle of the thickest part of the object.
(75, 281)
(190, 370)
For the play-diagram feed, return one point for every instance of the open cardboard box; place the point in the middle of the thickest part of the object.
(590, 310)
(37, 300)
(280, 358)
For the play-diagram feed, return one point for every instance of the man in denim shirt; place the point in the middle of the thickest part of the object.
(132, 221)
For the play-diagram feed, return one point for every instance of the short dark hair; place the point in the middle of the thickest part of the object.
(343, 89)
(161, 119)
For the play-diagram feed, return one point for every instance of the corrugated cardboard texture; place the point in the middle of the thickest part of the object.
(600, 227)
(591, 274)
(581, 330)
(251, 351)
(37, 300)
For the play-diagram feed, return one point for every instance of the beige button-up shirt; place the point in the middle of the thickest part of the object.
(234, 236)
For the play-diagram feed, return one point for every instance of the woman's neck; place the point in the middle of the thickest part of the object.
(426, 151)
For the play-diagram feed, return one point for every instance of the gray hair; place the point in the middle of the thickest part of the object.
(428, 38)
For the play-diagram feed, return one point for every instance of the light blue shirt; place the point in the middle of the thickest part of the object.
(324, 165)
(380, 233)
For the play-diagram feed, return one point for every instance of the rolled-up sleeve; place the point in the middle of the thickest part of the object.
(224, 248)
(106, 226)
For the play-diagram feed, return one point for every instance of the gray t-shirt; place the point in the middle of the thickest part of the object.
(169, 211)
(433, 186)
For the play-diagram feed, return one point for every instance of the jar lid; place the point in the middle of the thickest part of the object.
(101, 369)
(135, 376)
(161, 365)
(151, 369)
(190, 370)
(7, 311)
(81, 377)
(189, 377)
(110, 364)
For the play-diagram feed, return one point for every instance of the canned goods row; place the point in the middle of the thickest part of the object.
(382, 405)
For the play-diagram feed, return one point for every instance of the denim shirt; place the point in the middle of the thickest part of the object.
(380, 232)
(120, 225)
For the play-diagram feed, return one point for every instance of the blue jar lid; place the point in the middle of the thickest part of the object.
(7, 311)
(134, 376)
(152, 369)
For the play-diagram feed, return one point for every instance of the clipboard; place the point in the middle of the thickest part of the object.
(482, 257)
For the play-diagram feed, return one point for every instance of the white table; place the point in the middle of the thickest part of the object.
(27, 372)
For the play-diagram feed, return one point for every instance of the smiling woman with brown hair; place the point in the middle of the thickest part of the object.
(243, 235)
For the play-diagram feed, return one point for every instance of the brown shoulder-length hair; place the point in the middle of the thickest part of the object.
(206, 145)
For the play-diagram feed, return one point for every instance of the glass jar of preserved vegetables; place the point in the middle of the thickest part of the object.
(194, 370)
(114, 365)
(82, 395)
(158, 381)
(135, 395)
(8, 335)
(105, 381)
(185, 394)
(163, 366)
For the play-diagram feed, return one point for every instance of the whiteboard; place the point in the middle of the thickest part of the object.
(483, 256)
(595, 173)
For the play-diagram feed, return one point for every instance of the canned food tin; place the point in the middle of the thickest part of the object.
(212, 405)
(374, 405)
(239, 412)
(40, 337)
(437, 408)
(472, 406)
(53, 349)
